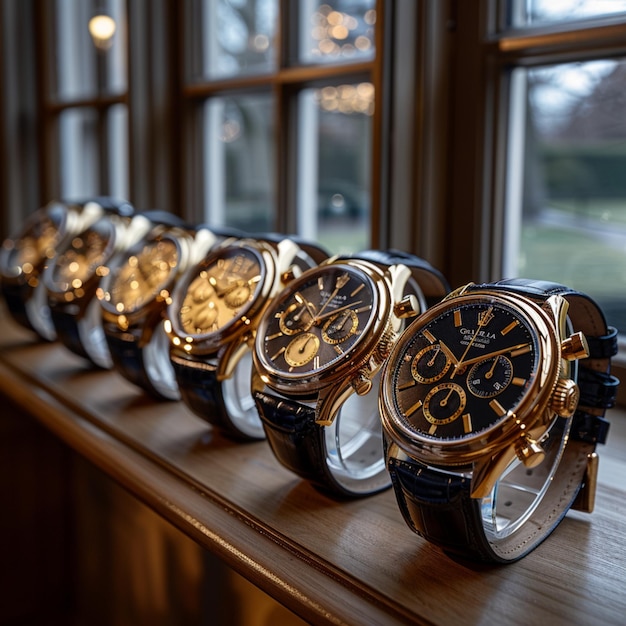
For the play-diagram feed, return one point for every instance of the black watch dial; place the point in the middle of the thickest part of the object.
(464, 370)
(317, 321)
(221, 291)
(77, 263)
(142, 276)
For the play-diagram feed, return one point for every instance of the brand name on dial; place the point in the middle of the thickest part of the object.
(481, 333)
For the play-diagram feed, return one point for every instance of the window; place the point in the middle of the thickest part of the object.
(565, 192)
(84, 104)
(286, 128)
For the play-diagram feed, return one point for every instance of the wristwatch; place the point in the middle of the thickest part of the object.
(213, 319)
(318, 354)
(74, 275)
(134, 297)
(492, 405)
(25, 256)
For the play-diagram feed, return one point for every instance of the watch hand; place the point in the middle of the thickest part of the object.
(483, 319)
(307, 305)
(484, 357)
(340, 283)
(448, 353)
(319, 317)
(489, 374)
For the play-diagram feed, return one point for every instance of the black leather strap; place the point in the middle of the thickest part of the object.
(65, 319)
(203, 393)
(437, 504)
(16, 295)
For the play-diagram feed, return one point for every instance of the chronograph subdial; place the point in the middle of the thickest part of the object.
(340, 326)
(444, 403)
(301, 349)
(430, 364)
(295, 319)
(490, 377)
(237, 295)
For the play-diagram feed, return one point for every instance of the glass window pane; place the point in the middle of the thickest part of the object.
(534, 12)
(118, 150)
(232, 37)
(566, 211)
(239, 162)
(88, 64)
(337, 31)
(334, 157)
(79, 153)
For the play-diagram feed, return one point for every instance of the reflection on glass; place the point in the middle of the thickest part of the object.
(337, 30)
(79, 158)
(85, 69)
(566, 210)
(334, 165)
(232, 37)
(532, 12)
(239, 162)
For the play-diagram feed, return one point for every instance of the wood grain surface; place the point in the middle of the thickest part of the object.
(329, 562)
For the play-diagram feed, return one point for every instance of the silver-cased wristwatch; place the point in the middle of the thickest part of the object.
(212, 323)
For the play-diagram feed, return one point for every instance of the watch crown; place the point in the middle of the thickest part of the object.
(565, 396)
(288, 275)
(407, 307)
(575, 347)
(361, 384)
(531, 454)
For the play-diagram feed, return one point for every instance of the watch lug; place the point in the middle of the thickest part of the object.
(329, 402)
(486, 472)
(229, 357)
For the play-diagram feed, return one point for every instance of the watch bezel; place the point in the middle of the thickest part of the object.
(247, 319)
(533, 416)
(161, 300)
(361, 354)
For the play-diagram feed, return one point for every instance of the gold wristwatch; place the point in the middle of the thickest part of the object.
(25, 256)
(318, 353)
(134, 297)
(74, 275)
(212, 324)
(492, 404)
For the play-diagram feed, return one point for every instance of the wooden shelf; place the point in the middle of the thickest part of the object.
(329, 562)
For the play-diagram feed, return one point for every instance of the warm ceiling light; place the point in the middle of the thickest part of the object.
(102, 29)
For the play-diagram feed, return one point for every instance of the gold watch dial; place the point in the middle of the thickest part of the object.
(222, 290)
(317, 321)
(142, 276)
(77, 263)
(36, 244)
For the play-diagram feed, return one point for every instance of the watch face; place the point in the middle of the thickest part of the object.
(77, 263)
(222, 291)
(36, 244)
(141, 276)
(316, 323)
(460, 373)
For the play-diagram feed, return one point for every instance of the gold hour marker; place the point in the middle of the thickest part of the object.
(316, 362)
(338, 349)
(413, 408)
(357, 290)
(509, 328)
(429, 336)
(497, 408)
(408, 385)
(274, 336)
(278, 353)
(467, 422)
(518, 382)
(457, 318)
(320, 283)
(363, 309)
(433, 429)
(522, 350)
